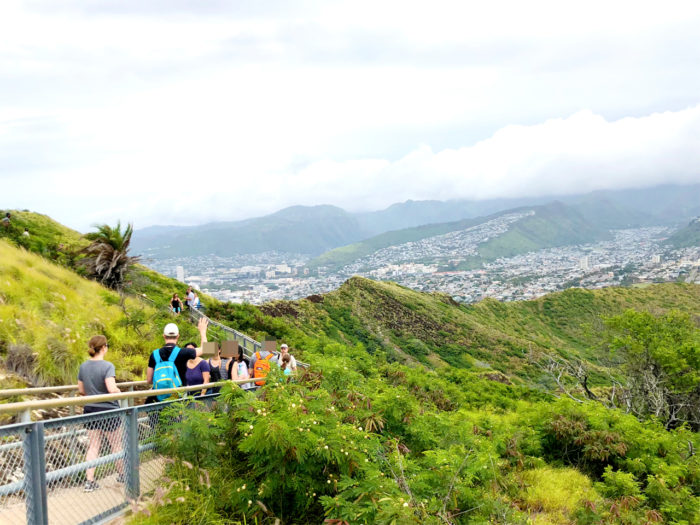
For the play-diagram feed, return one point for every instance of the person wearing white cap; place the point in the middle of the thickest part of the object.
(171, 334)
(284, 349)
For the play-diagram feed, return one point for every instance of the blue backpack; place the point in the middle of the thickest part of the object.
(165, 374)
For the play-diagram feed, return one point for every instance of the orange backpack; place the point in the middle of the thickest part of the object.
(262, 366)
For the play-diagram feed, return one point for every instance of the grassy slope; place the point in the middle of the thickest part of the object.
(432, 329)
(53, 312)
(46, 236)
(48, 312)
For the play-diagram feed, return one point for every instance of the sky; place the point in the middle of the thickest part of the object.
(186, 112)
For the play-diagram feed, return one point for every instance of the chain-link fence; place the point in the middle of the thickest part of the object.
(82, 469)
(12, 474)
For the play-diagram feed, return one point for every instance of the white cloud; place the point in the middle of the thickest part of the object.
(578, 154)
(183, 112)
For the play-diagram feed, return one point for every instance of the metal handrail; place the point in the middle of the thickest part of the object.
(59, 389)
(28, 406)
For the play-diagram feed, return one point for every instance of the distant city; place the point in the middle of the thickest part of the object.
(631, 257)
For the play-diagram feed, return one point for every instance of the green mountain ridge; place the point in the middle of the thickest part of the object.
(554, 224)
(299, 229)
(687, 236)
(432, 329)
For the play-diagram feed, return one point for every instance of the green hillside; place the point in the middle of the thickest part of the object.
(554, 224)
(368, 435)
(339, 257)
(47, 314)
(299, 229)
(46, 237)
(48, 311)
(686, 237)
(431, 329)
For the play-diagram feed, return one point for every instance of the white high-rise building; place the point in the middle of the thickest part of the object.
(180, 274)
(655, 259)
(585, 262)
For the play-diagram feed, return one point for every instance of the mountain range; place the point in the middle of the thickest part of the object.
(315, 230)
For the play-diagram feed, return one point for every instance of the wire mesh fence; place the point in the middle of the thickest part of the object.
(83, 469)
(84, 458)
(12, 475)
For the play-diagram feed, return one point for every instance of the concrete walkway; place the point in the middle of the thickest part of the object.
(71, 506)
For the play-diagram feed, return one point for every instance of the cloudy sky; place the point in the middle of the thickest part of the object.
(183, 112)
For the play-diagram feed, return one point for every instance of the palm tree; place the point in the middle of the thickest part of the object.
(107, 256)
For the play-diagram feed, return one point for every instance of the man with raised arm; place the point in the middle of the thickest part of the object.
(171, 334)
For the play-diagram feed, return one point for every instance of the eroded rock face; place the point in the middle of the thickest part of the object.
(280, 309)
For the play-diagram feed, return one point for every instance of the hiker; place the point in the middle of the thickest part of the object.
(6, 220)
(218, 369)
(260, 365)
(170, 361)
(95, 377)
(239, 368)
(25, 233)
(189, 302)
(284, 350)
(175, 305)
(197, 373)
(285, 365)
(195, 301)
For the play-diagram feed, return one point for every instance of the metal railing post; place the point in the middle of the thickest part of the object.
(71, 409)
(35, 475)
(133, 482)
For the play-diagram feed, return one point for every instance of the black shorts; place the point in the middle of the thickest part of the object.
(105, 424)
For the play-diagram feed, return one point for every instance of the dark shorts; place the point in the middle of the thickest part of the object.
(105, 424)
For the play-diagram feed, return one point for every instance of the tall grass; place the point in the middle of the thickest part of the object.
(48, 313)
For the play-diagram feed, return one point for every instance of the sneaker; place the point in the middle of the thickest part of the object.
(120, 478)
(90, 486)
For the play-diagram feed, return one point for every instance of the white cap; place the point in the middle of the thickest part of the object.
(284, 345)
(171, 330)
